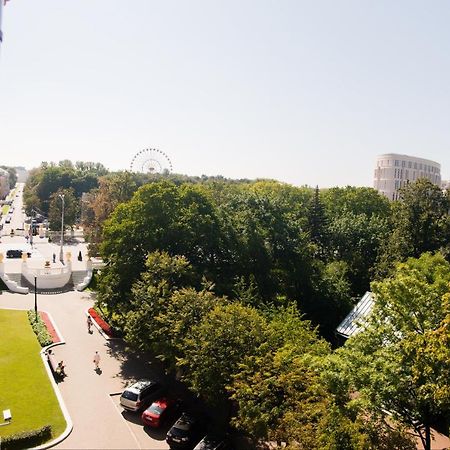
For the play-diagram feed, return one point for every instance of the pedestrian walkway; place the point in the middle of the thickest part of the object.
(97, 422)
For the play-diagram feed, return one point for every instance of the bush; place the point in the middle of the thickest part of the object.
(100, 322)
(26, 439)
(39, 328)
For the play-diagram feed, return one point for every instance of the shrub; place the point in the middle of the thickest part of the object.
(39, 328)
(26, 439)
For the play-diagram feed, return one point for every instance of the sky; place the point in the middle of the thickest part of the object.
(304, 92)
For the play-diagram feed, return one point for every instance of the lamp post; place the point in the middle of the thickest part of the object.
(35, 297)
(61, 255)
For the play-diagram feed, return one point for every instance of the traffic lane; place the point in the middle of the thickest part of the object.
(148, 438)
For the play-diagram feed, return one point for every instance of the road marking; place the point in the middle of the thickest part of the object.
(126, 422)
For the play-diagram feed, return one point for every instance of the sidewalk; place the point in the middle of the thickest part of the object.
(97, 422)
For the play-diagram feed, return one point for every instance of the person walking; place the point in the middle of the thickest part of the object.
(89, 324)
(96, 360)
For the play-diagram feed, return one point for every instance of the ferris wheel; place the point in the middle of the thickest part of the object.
(151, 160)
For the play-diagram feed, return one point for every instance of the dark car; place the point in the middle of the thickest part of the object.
(160, 411)
(212, 442)
(185, 432)
(14, 254)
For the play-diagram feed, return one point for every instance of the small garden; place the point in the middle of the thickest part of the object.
(36, 415)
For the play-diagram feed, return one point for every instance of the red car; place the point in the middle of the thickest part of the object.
(156, 413)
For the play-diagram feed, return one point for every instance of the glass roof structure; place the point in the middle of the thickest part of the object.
(352, 323)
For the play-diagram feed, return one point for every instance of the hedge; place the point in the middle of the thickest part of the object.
(39, 328)
(26, 439)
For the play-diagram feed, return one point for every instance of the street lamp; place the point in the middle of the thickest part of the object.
(61, 255)
(35, 297)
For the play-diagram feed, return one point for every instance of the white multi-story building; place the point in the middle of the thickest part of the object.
(394, 171)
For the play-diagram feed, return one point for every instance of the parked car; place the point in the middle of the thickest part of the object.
(159, 411)
(8, 219)
(212, 442)
(141, 394)
(16, 254)
(185, 432)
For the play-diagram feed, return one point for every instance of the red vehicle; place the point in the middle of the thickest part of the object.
(158, 411)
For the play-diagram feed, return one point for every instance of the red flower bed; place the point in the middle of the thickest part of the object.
(100, 322)
(50, 328)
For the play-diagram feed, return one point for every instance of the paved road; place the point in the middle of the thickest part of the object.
(99, 422)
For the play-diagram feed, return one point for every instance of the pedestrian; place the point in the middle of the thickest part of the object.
(96, 360)
(89, 324)
(54, 258)
(80, 257)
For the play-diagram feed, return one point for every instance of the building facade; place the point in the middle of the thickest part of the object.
(394, 171)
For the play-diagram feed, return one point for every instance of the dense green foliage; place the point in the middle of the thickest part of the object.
(237, 235)
(234, 285)
(400, 363)
(47, 181)
(39, 328)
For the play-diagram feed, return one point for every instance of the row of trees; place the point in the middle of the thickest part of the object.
(319, 249)
(46, 183)
(217, 277)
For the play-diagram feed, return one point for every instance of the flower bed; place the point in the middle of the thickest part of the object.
(101, 323)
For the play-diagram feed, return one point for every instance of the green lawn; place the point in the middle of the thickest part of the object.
(24, 385)
(5, 209)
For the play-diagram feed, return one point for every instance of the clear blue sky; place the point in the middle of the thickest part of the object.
(307, 92)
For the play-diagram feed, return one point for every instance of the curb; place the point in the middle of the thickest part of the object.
(62, 405)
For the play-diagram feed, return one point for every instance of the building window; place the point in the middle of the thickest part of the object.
(409, 164)
(397, 163)
(415, 165)
(403, 163)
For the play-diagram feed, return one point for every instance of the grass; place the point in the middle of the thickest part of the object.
(24, 385)
(5, 209)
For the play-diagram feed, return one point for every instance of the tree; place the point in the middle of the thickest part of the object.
(398, 363)
(358, 200)
(71, 209)
(50, 177)
(113, 189)
(216, 346)
(422, 224)
(318, 225)
(160, 216)
(277, 389)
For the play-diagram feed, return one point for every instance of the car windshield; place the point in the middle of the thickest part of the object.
(178, 432)
(155, 409)
(130, 395)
